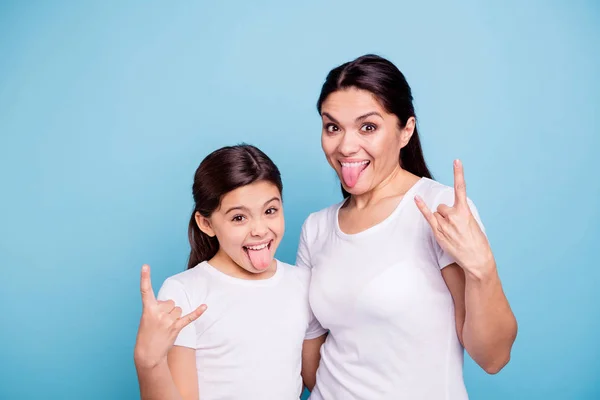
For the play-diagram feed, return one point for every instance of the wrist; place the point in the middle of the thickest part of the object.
(142, 362)
(482, 273)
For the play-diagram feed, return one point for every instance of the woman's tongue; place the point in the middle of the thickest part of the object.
(260, 259)
(351, 173)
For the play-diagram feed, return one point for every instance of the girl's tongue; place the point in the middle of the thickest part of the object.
(351, 173)
(260, 259)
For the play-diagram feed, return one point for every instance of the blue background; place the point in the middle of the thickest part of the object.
(106, 109)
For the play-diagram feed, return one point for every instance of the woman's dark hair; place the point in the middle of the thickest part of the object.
(384, 80)
(222, 171)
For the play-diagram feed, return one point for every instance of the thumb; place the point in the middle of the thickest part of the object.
(189, 318)
(426, 212)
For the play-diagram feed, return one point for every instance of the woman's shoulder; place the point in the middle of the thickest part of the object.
(322, 217)
(434, 192)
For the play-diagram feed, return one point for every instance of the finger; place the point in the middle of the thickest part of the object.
(442, 223)
(166, 306)
(444, 210)
(446, 225)
(191, 317)
(146, 286)
(460, 187)
(176, 312)
(426, 212)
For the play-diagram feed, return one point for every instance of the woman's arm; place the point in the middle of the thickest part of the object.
(485, 323)
(311, 349)
(311, 356)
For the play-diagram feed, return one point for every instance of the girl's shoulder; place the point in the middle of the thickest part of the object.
(189, 280)
(295, 273)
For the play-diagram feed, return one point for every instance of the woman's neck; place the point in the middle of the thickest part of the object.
(397, 183)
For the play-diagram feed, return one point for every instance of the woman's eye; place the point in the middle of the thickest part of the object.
(331, 128)
(271, 211)
(368, 128)
(238, 218)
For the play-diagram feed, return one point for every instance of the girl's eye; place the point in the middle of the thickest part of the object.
(238, 218)
(271, 211)
(331, 128)
(368, 128)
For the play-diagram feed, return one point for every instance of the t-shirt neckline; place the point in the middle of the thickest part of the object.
(246, 282)
(380, 225)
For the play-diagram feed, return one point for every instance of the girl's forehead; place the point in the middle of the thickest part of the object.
(254, 195)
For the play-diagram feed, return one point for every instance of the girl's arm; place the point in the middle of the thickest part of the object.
(171, 379)
(165, 372)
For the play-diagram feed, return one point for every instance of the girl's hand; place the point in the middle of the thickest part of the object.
(160, 324)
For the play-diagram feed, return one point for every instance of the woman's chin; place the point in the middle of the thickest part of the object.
(357, 189)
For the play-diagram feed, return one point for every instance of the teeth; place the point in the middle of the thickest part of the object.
(354, 164)
(259, 247)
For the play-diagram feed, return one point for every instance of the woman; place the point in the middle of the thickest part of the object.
(403, 276)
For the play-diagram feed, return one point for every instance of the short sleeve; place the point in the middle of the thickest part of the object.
(447, 197)
(314, 329)
(175, 290)
(303, 255)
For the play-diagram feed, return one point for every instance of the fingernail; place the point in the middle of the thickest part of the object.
(144, 268)
(417, 199)
(457, 162)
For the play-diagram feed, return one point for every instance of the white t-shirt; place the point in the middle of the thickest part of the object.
(249, 340)
(390, 315)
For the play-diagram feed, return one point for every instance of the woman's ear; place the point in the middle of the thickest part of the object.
(407, 132)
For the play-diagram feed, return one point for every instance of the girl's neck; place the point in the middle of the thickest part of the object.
(226, 265)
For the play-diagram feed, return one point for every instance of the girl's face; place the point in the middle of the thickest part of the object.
(249, 225)
(361, 140)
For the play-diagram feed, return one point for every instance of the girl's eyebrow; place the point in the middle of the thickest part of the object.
(243, 208)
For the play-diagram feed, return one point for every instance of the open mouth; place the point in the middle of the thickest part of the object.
(258, 247)
(351, 171)
(259, 255)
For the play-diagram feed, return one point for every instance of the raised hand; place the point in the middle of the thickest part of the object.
(160, 324)
(457, 231)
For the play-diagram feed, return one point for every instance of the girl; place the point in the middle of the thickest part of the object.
(247, 331)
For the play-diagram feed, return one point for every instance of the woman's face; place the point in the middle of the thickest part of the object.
(361, 140)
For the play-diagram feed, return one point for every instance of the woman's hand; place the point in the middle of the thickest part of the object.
(457, 232)
(160, 324)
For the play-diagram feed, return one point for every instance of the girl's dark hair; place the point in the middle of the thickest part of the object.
(222, 171)
(384, 80)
